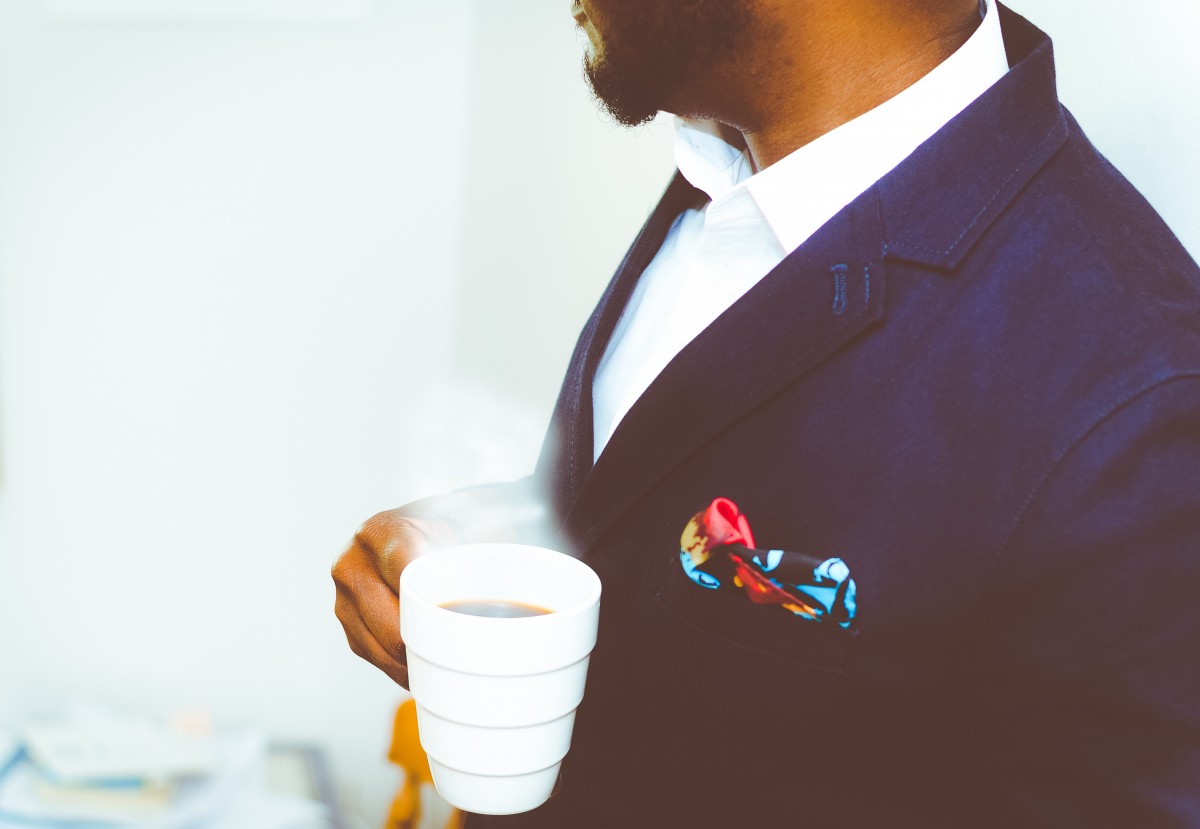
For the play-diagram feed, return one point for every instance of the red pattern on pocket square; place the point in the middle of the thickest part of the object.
(717, 548)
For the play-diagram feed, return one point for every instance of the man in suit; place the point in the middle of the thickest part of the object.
(974, 377)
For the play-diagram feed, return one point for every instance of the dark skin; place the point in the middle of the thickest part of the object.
(367, 573)
(865, 54)
(791, 71)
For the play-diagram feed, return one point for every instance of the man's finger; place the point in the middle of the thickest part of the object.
(369, 611)
(379, 610)
(368, 648)
(387, 655)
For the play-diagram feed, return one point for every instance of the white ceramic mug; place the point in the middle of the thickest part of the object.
(496, 697)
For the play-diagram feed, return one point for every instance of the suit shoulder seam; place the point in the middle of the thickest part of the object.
(1074, 442)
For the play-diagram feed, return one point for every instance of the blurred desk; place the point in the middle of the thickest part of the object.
(262, 786)
(302, 770)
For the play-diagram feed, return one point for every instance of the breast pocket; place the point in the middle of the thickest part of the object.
(725, 619)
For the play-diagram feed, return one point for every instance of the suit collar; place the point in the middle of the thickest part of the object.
(928, 211)
(945, 196)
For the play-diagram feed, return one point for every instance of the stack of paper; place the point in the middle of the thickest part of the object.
(121, 773)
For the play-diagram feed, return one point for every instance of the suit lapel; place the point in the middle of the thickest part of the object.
(566, 457)
(816, 300)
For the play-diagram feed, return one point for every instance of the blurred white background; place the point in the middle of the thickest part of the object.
(267, 268)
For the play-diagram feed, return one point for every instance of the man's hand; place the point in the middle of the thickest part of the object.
(367, 574)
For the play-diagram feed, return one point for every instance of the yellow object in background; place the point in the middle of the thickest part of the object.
(417, 804)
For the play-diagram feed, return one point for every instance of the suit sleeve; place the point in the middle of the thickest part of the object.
(1083, 699)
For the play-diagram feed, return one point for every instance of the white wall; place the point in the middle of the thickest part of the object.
(1130, 73)
(556, 194)
(222, 273)
(250, 272)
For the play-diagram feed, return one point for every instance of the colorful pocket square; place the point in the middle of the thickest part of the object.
(717, 551)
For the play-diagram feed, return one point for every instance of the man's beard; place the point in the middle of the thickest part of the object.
(660, 55)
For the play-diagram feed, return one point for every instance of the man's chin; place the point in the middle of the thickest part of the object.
(625, 101)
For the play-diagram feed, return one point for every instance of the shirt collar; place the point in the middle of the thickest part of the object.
(803, 190)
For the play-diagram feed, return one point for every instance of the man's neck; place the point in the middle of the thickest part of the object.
(814, 72)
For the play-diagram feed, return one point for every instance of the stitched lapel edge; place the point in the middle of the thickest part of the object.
(567, 452)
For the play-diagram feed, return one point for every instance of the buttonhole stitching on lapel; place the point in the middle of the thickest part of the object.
(839, 288)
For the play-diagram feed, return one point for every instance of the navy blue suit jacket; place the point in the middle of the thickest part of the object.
(979, 385)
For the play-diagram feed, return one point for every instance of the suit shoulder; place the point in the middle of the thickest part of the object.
(1082, 237)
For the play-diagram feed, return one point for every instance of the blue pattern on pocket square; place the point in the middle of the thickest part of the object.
(716, 551)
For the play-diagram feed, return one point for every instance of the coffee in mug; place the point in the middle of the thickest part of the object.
(496, 608)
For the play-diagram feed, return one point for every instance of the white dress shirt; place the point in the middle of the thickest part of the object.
(713, 255)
